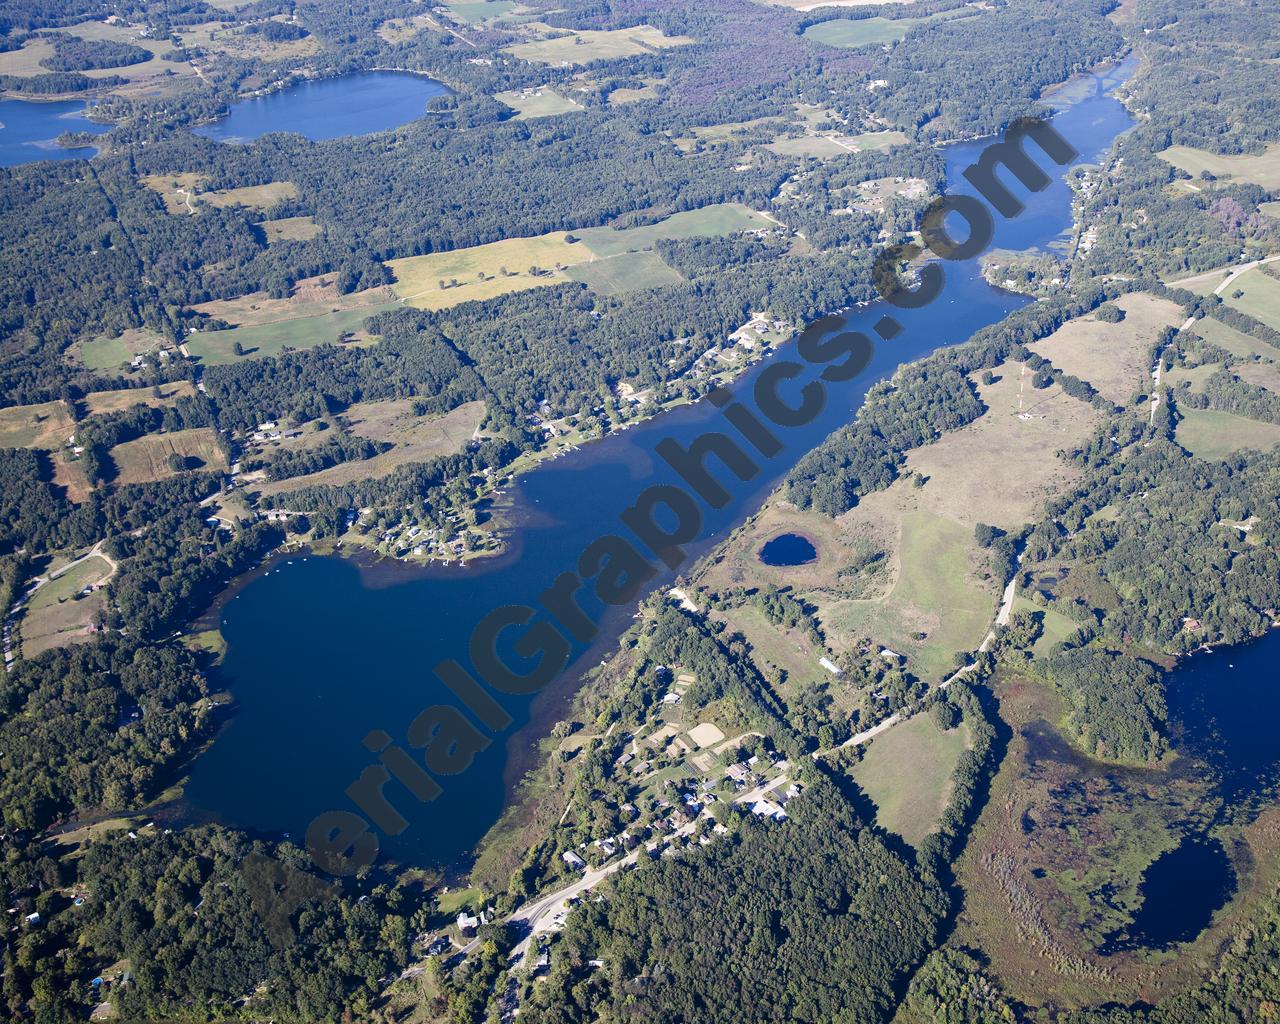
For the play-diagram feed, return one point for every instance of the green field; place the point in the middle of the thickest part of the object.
(47, 425)
(499, 268)
(851, 33)
(626, 272)
(214, 348)
(1261, 298)
(819, 146)
(1209, 434)
(1057, 627)
(585, 46)
(1261, 169)
(721, 219)
(481, 10)
(935, 594)
(289, 229)
(907, 772)
(59, 613)
(146, 459)
(103, 353)
(1270, 209)
(540, 102)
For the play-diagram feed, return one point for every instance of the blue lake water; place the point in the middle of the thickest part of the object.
(330, 108)
(1223, 707)
(28, 131)
(788, 549)
(320, 653)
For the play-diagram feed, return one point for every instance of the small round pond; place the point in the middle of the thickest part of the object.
(789, 549)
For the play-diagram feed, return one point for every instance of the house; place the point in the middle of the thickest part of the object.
(830, 666)
(32, 919)
(574, 861)
(467, 924)
(671, 698)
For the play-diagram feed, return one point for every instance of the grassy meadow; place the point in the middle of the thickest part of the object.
(907, 772)
(585, 46)
(1261, 169)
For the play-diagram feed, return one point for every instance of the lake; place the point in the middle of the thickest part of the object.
(321, 652)
(1223, 706)
(29, 131)
(330, 108)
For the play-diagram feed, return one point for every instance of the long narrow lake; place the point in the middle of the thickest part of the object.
(321, 653)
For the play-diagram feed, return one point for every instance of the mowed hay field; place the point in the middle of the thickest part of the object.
(146, 459)
(479, 270)
(1260, 296)
(289, 229)
(500, 268)
(103, 353)
(1261, 169)
(59, 613)
(183, 194)
(1001, 468)
(540, 102)
(708, 221)
(126, 398)
(315, 314)
(585, 46)
(1209, 434)
(47, 425)
(907, 772)
(216, 348)
(626, 272)
(1112, 357)
(415, 439)
(852, 33)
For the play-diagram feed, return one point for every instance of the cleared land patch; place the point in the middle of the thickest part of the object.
(445, 279)
(1111, 357)
(47, 425)
(1000, 468)
(289, 229)
(125, 398)
(415, 439)
(401, 30)
(907, 772)
(477, 11)
(540, 102)
(852, 33)
(1261, 169)
(1210, 434)
(214, 348)
(147, 459)
(937, 605)
(1260, 296)
(310, 297)
(182, 193)
(626, 272)
(585, 46)
(485, 271)
(828, 146)
(60, 612)
(103, 353)
(720, 219)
